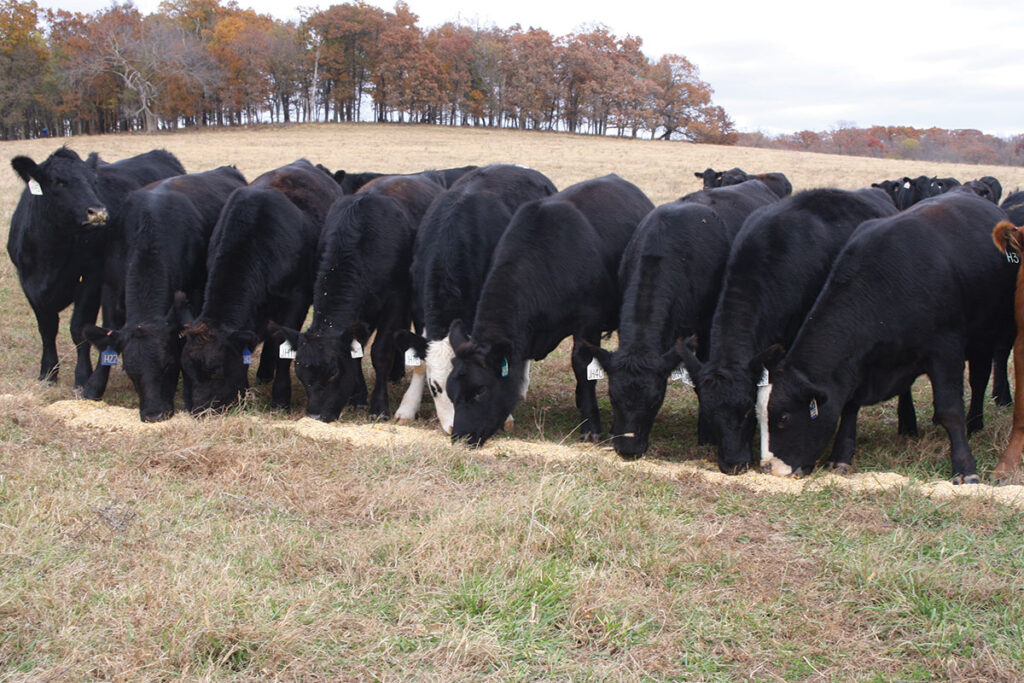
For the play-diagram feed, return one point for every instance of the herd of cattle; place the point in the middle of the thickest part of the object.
(788, 310)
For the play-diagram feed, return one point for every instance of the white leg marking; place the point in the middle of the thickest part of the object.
(413, 395)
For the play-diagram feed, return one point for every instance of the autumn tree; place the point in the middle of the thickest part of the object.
(531, 67)
(24, 62)
(679, 98)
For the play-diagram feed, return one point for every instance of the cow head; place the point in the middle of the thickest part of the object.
(64, 188)
(728, 396)
(483, 385)
(151, 357)
(890, 187)
(801, 421)
(637, 378)
(211, 362)
(911, 191)
(985, 189)
(939, 186)
(437, 357)
(325, 366)
(711, 178)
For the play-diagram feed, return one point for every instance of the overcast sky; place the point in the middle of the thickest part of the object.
(785, 66)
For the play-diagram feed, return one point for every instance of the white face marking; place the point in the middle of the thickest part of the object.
(769, 463)
(439, 366)
(526, 380)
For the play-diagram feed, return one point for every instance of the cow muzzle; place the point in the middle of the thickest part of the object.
(95, 216)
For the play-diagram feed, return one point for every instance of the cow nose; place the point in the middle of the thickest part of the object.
(629, 446)
(96, 215)
(156, 415)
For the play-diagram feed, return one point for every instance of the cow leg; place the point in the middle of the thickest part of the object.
(946, 372)
(1010, 459)
(413, 395)
(269, 362)
(980, 368)
(382, 355)
(906, 416)
(358, 398)
(586, 393)
(1000, 381)
(841, 457)
(87, 307)
(48, 323)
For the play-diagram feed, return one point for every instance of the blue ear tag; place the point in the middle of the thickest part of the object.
(814, 409)
(246, 357)
(108, 358)
(504, 367)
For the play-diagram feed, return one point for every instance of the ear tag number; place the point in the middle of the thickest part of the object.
(286, 350)
(357, 349)
(681, 375)
(108, 358)
(504, 367)
(35, 188)
(595, 371)
(411, 359)
(246, 357)
(814, 409)
(1012, 256)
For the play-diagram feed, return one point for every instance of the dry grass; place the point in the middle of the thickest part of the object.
(262, 546)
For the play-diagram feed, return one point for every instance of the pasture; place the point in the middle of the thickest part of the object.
(262, 545)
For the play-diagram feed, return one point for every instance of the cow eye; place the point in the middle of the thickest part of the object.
(480, 395)
(783, 421)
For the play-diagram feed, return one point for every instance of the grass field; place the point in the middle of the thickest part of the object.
(255, 546)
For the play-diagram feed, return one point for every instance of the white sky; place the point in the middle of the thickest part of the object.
(785, 66)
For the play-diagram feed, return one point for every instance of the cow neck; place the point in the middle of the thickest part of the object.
(340, 288)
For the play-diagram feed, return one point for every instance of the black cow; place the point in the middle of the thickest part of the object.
(58, 247)
(776, 267)
(918, 293)
(1013, 205)
(890, 187)
(776, 182)
(553, 275)
(911, 191)
(939, 186)
(451, 257)
(352, 182)
(670, 275)
(362, 285)
(261, 267)
(986, 187)
(167, 227)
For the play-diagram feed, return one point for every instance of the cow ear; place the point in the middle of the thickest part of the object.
(456, 334)
(103, 338)
(279, 335)
(339, 176)
(698, 175)
(588, 352)
(26, 168)
(497, 357)
(359, 332)
(769, 358)
(93, 160)
(671, 359)
(404, 339)
(690, 361)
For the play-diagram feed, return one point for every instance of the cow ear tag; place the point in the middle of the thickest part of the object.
(681, 375)
(246, 356)
(34, 187)
(286, 350)
(108, 358)
(357, 349)
(814, 409)
(504, 367)
(1012, 256)
(594, 371)
(411, 359)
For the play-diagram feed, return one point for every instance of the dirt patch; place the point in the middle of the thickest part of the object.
(99, 416)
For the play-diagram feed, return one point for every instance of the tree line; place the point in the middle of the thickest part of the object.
(968, 146)
(211, 63)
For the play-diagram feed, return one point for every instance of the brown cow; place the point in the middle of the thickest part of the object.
(1010, 241)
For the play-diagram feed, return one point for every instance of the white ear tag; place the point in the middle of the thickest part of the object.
(595, 371)
(681, 375)
(411, 359)
(814, 409)
(357, 349)
(286, 350)
(34, 187)
(763, 382)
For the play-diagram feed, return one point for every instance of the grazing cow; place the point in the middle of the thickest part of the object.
(56, 243)
(167, 227)
(261, 266)
(776, 182)
(670, 275)
(554, 274)
(777, 265)
(362, 285)
(451, 258)
(917, 293)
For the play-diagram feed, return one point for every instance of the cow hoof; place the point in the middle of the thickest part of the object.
(766, 468)
(798, 473)
(591, 437)
(1003, 401)
(403, 420)
(842, 468)
(969, 479)
(510, 425)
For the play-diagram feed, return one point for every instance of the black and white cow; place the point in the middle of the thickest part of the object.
(452, 255)
(776, 268)
(362, 286)
(58, 245)
(918, 293)
(670, 276)
(554, 274)
(261, 267)
(166, 227)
